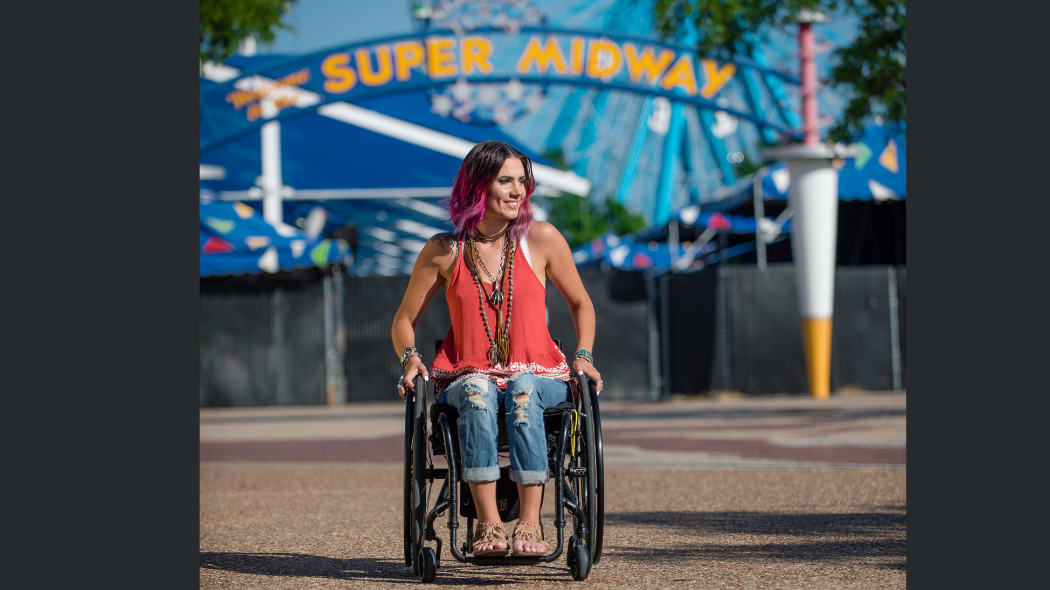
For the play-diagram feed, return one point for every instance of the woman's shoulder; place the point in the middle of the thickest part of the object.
(542, 233)
(442, 248)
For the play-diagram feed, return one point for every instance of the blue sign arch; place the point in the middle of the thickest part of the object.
(533, 55)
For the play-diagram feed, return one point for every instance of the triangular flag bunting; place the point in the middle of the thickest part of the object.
(888, 159)
(215, 245)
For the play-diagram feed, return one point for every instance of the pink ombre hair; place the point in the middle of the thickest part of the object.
(466, 207)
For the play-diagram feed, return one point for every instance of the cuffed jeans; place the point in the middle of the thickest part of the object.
(478, 400)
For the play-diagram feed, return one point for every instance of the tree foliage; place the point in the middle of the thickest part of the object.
(225, 24)
(580, 221)
(870, 71)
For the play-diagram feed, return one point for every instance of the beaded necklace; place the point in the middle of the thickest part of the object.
(498, 297)
(499, 345)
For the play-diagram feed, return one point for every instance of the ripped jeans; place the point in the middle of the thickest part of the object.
(477, 400)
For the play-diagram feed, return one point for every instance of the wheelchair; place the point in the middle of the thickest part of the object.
(574, 455)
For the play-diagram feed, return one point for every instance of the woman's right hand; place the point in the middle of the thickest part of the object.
(414, 368)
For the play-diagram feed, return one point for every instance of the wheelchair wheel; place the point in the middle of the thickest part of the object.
(585, 488)
(428, 561)
(415, 482)
(407, 505)
(599, 484)
(578, 560)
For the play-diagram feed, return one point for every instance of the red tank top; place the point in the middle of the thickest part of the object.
(466, 346)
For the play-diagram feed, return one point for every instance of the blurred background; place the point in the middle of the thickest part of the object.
(330, 136)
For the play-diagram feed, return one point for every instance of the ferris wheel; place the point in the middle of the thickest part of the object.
(651, 153)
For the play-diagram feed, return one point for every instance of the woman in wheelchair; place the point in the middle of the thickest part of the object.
(498, 352)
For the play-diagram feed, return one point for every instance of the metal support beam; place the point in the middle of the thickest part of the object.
(630, 165)
(566, 118)
(668, 164)
(754, 99)
(273, 210)
(589, 127)
(718, 147)
(776, 90)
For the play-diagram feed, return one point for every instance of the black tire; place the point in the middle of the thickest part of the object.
(599, 484)
(570, 553)
(429, 569)
(579, 563)
(588, 493)
(408, 482)
(417, 500)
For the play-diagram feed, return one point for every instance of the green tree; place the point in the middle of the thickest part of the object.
(225, 24)
(580, 222)
(870, 71)
(577, 218)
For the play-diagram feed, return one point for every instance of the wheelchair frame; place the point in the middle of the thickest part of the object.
(579, 489)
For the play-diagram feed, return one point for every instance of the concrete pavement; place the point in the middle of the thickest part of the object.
(777, 492)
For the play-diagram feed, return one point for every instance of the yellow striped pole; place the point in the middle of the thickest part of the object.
(813, 198)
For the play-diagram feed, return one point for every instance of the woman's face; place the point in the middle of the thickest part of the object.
(507, 192)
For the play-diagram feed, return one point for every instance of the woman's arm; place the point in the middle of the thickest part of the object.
(432, 271)
(556, 258)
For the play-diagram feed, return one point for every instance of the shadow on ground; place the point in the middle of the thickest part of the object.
(308, 566)
(797, 536)
(298, 565)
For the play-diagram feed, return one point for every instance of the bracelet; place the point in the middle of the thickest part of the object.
(409, 352)
(585, 354)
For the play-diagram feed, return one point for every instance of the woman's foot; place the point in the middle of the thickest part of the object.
(528, 540)
(490, 540)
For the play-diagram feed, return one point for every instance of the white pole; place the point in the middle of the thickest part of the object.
(813, 199)
(271, 173)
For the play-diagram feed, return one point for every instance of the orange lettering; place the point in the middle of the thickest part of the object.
(339, 75)
(576, 55)
(681, 75)
(407, 55)
(644, 64)
(542, 58)
(442, 61)
(476, 52)
(604, 59)
(716, 78)
(364, 66)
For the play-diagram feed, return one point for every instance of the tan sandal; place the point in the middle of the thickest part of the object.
(490, 533)
(526, 532)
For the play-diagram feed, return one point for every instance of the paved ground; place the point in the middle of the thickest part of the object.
(780, 492)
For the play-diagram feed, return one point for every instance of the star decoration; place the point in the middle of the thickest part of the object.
(488, 94)
(514, 90)
(461, 90)
(534, 102)
(442, 105)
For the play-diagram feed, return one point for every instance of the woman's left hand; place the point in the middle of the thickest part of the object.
(584, 366)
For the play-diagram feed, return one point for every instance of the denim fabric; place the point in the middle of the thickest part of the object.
(477, 400)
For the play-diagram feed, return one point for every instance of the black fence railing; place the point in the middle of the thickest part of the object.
(739, 329)
(732, 328)
(263, 348)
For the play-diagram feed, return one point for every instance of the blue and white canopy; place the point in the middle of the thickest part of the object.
(236, 240)
(879, 172)
(382, 164)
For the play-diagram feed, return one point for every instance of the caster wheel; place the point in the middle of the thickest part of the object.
(579, 560)
(429, 565)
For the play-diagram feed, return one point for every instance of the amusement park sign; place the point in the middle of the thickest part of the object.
(482, 68)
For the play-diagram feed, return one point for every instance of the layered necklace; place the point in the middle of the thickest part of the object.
(499, 346)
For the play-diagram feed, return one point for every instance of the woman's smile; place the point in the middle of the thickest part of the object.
(507, 191)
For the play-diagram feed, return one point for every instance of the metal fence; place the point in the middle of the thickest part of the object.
(739, 329)
(327, 341)
(263, 349)
(371, 360)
